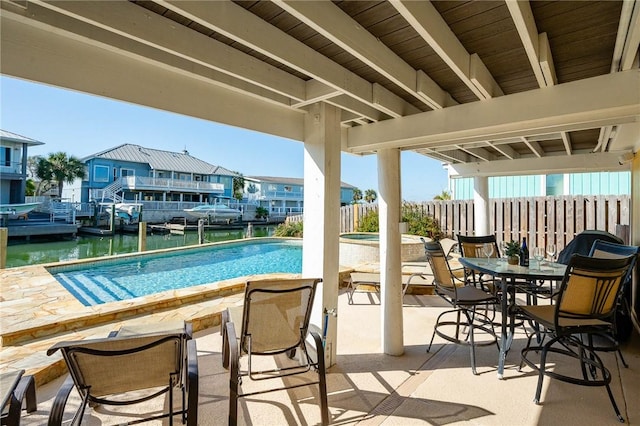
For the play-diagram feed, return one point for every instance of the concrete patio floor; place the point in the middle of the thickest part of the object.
(368, 388)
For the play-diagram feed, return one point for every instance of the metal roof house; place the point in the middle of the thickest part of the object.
(494, 88)
(131, 172)
(13, 166)
(283, 195)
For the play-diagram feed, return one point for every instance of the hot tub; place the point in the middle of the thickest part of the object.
(364, 247)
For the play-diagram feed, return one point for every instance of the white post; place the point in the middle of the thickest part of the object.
(320, 250)
(481, 205)
(390, 266)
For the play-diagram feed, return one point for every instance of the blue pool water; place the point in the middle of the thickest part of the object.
(120, 279)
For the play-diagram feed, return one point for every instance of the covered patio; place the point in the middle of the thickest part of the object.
(490, 88)
(369, 388)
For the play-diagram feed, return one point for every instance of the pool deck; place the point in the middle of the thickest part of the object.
(37, 311)
(369, 388)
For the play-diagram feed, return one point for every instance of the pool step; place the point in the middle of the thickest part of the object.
(47, 325)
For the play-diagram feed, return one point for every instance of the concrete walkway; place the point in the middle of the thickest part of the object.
(369, 388)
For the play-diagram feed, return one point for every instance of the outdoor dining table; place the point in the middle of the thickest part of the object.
(507, 276)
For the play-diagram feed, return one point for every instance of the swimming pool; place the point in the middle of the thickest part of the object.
(117, 279)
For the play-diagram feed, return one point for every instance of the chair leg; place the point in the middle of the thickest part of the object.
(225, 341)
(472, 345)
(322, 383)
(543, 360)
(234, 375)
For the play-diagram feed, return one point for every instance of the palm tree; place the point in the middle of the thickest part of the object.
(370, 195)
(357, 195)
(445, 195)
(238, 186)
(60, 168)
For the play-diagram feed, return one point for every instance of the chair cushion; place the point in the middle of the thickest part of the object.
(544, 314)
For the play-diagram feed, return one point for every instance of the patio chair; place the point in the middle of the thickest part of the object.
(129, 368)
(465, 299)
(15, 387)
(274, 320)
(586, 300)
(471, 246)
(620, 322)
(357, 279)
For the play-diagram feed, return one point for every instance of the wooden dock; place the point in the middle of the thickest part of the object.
(28, 229)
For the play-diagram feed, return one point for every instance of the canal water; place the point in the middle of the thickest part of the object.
(82, 247)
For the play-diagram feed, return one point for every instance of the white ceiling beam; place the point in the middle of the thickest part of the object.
(480, 153)
(577, 163)
(235, 22)
(630, 34)
(358, 108)
(582, 104)
(316, 92)
(566, 141)
(426, 20)
(448, 155)
(534, 146)
(133, 22)
(505, 150)
(524, 21)
(335, 25)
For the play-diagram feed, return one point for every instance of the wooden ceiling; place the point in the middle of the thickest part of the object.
(386, 61)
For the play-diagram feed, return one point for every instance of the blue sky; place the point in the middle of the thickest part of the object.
(81, 124)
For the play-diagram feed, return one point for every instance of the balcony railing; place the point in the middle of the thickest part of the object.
(138, 183)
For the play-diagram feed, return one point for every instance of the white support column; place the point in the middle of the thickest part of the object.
(635, 237)
(390, 266)
(481, 205)
(320, 249)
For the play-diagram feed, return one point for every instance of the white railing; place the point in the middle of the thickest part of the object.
(140, 183)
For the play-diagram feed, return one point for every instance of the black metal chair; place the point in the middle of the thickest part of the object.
(128, 368)
(472, 246)
(274, 320)
(586, 300)
(15, 387)
(608, 250)
(465, 299)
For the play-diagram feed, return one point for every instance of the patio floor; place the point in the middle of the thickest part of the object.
(369, 388)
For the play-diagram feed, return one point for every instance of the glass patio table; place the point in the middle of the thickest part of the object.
(507, 276)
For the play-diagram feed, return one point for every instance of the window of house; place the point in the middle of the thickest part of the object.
(287, 189)
(127, 172)
(273, 188)
(101, 173)
(5, 156)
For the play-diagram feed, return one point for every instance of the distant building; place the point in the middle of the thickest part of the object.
(134, 173)
(284, 196)
(13, 166)
(601, 183)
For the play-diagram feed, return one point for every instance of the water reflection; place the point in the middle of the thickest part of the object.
(84, 247)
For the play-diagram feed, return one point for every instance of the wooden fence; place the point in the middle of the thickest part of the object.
(542, 220)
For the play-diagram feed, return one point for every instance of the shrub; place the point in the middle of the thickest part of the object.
(419, 222)
(261, 212)
(369, 222)
(289, 229)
